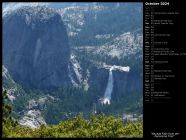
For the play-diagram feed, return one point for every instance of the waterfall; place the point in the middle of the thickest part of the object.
(107, 96)
(109, 88)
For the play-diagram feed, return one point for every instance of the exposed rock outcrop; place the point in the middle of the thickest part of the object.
(35, 47)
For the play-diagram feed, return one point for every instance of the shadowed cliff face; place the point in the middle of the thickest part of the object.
(35, 47)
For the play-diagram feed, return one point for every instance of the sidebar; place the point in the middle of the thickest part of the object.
(164, 69)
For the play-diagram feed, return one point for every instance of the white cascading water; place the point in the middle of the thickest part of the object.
(107, 96)
(109, 88)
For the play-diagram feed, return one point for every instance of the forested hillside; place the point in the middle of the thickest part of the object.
(96, 126)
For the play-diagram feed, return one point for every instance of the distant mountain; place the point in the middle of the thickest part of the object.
(101, 22)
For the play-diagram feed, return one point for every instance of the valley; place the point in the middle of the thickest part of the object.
(59, 62)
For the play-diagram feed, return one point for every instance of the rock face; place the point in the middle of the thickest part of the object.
(32, 119)
(35, 47)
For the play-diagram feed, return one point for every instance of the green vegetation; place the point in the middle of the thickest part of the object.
(97, 126)
(77, 127)
(7, 121)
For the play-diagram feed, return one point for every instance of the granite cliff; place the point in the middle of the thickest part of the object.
(35, 47)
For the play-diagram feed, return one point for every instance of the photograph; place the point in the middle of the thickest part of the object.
(72, 69)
